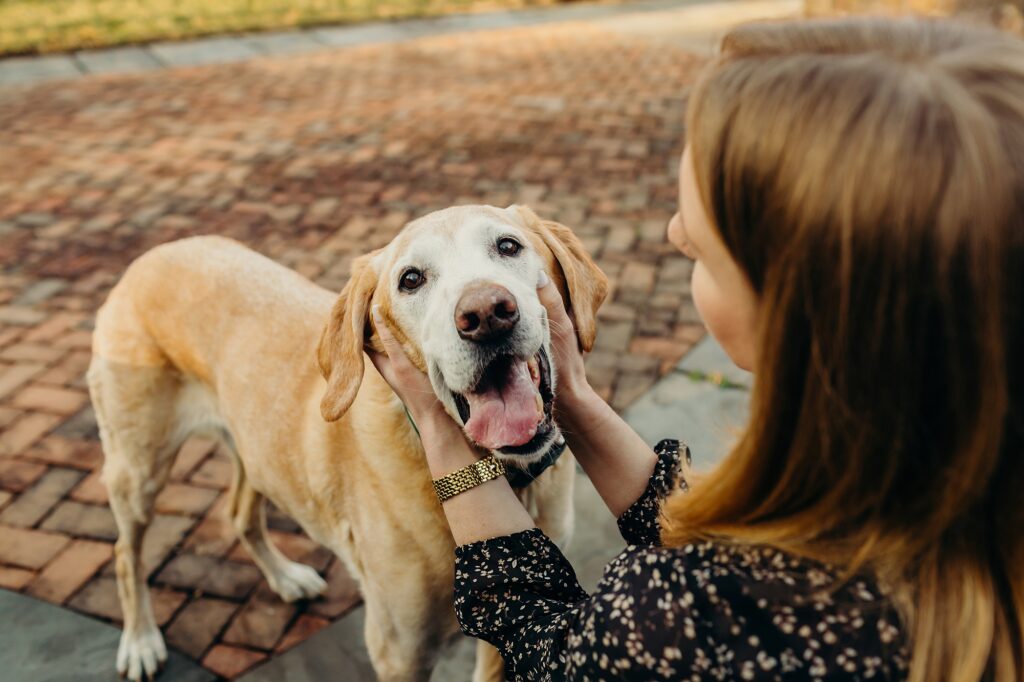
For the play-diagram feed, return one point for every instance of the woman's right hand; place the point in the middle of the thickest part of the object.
(573, 389)
(616, 459)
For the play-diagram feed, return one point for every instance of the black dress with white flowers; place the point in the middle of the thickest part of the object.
(704, 611)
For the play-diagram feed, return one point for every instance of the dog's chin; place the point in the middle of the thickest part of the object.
(528, 453)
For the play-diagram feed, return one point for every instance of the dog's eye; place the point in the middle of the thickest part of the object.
(509, 247)
(411, 280)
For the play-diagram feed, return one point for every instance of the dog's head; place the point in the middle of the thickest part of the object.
(457, 288)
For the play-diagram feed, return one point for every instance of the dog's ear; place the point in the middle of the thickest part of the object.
(585, 286)
(340, 353)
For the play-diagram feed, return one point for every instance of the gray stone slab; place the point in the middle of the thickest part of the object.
(21, 70)
(45, 643)
(704, 415)
(203, 51)
(707, 357)
(595, 540)
(474, 22)
(287, 42)
(363, 34)
(457, 661)
(118, 60)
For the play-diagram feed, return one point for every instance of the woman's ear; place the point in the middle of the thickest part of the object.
(340, 353)
(585, 285)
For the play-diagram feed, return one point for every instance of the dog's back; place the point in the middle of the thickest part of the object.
(204, 336)
(175, 300)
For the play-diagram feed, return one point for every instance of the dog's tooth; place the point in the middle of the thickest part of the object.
(535, 370)
(539, 402)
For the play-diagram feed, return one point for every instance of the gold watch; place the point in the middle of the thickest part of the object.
(450, 485)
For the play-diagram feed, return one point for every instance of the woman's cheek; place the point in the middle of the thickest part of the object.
(719, 316)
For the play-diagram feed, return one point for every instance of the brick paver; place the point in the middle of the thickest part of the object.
(261, 622)
(35, 503)
(195, 628)
(312, 160)
(29, 548)
(66, 573)
(231, 661)
(14, 578)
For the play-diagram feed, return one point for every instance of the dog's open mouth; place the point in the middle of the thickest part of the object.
(510, 407)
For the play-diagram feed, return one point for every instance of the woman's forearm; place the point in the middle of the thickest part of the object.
(618, 462)
(487, 511)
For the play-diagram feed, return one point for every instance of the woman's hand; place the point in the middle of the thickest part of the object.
(410, 384)
(572, 389)
(617, 460)
(487, 511)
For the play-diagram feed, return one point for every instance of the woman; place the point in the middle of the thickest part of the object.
(853, 197)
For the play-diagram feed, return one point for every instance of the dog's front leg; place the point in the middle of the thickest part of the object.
(409, 618)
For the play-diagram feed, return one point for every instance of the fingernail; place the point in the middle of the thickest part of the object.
(542, 280)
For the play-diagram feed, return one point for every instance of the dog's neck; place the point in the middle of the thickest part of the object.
(518, 477)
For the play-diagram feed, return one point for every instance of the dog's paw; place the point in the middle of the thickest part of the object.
(297, 581)
(141, 655)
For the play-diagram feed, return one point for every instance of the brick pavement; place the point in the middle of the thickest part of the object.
(311, 160)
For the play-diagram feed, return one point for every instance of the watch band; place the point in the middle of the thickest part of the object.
(461, 480)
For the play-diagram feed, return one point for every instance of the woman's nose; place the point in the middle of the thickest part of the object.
(675, 231)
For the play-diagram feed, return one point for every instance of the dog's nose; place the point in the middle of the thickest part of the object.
(486, 312)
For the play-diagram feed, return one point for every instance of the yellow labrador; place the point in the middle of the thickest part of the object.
(204, 336)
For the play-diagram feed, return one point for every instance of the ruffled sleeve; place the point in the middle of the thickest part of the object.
(639, 524)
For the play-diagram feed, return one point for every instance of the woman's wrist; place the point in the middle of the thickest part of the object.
(444, 445)
(576, 402)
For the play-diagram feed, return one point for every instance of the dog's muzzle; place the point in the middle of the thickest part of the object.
(510, 407)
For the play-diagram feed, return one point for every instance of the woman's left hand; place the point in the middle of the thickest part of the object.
(444, 444)
(410, 384)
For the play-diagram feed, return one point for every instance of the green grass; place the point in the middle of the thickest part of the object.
(38, 26)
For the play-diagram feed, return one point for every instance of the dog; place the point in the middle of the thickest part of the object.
(203, 336)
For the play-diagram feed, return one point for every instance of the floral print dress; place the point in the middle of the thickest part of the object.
(703, 611)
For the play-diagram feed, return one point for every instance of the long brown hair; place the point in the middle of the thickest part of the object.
(868, 177)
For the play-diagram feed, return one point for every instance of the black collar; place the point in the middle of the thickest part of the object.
(520, 478)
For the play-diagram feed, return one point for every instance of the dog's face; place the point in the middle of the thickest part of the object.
(458, 289)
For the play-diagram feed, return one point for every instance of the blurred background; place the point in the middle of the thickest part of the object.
(42, 26)
(312, 131)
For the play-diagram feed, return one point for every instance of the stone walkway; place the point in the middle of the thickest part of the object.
(314, 159)
(222, 49)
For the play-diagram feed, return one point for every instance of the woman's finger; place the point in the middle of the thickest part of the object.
(386, 338)
(552, 300)
(383, 365)
(400, 362)
(561, 324)
(402, 374)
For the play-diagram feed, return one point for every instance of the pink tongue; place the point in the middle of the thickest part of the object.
(506, 415)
